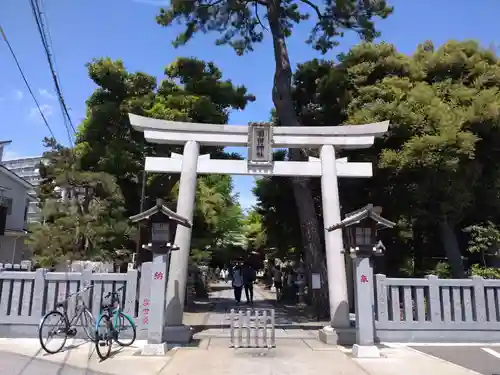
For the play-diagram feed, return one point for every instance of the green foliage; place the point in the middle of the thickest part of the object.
(442, 270)
(191, 91)
(218, 216)
(239, 21)
(276, 213)
(485, 272)
(435, 171)
(254, 231)
(109, 156)
(433, 149)
(483, 238)
(83, 213)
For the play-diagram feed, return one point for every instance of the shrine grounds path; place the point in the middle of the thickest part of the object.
(298, 351)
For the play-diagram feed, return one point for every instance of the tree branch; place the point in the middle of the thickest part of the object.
(212, 4)
(257, 15)
(314, 6)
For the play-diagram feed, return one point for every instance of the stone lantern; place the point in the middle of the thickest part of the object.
(362, 233)
(361, 228)
(161, 219)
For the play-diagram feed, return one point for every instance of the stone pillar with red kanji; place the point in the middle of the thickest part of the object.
(364, 302)
(157, 311)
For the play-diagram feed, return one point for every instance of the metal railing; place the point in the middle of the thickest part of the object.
(252, 328)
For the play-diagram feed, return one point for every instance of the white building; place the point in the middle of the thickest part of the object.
(28, 169)
(15, 200)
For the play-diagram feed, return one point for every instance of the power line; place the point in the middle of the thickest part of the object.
(46, 43)
(26, 82)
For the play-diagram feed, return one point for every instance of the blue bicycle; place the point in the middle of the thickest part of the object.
(113, 325)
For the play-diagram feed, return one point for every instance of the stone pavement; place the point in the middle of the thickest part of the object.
(22, 365)
(213, 357)
(297, 351)
(215, 323)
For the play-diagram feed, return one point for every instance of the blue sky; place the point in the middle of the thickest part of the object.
(125, 29)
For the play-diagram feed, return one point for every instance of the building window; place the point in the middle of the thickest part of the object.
(7, 202)
(26, 210)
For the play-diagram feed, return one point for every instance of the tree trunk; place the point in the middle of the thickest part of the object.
(450, 243)
(418, 255)
(282, 99)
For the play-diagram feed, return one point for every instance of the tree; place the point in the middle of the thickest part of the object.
(191, 91)
(83, 213)
(254, 232)
(438, 111)
(282, 229)
(239, 24)
(435, 172)
(218, 216)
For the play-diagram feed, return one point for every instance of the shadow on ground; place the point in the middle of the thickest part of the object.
(35, 360)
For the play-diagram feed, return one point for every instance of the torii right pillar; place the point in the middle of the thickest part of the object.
(339, 331)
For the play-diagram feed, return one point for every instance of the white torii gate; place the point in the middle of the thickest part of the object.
(260, 138)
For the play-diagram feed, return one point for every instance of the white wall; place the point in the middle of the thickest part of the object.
(19, 194)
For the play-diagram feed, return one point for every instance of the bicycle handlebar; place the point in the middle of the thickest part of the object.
(115, 293)
(77, 293)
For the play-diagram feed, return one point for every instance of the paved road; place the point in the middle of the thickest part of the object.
(16, 364)
(482, 359)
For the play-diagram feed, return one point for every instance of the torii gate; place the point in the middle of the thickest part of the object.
(260, 138)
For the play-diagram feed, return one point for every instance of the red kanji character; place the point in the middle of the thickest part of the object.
(364, 279)
(158, 276)
(146, 320)
(146, 302)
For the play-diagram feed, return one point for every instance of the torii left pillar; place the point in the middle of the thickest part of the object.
(176, 332)
(338, 332)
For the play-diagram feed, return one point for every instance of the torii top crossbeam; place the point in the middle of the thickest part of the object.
(175, 132)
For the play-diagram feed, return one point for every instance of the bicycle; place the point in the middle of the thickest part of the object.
(113, 319)
(65, 327)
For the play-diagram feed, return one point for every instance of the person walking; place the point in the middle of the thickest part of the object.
(278, 281)
(237, 281)
(249, 276)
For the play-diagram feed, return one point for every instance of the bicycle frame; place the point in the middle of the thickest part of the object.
(81, 308)
(115, 311)
(79, 311)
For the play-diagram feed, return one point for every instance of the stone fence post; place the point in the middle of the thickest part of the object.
(364, 301)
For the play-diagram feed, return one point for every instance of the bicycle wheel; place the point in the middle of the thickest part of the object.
(103, 337)
(125, 330)
(59, 331)
(88, 324)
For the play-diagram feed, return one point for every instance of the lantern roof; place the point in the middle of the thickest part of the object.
(368, 211)
(164, 210)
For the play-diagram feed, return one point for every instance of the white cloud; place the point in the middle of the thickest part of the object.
(46, 109)
(46, 94)
(18, 94)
